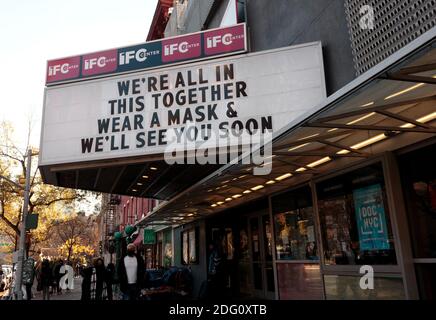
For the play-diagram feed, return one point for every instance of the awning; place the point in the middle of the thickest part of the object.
(388, 107)
(139, 239)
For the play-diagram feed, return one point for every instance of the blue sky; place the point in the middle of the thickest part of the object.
(34, 31)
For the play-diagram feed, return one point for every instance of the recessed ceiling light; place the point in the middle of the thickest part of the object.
(134, 190)
(237, 196)
(145, 177)
(228, 199)
(284, 176)
(213, 205)
(220, 202)
(153, 168)
(257, 187)
(271, 182)
(139, 184)
(247, 191)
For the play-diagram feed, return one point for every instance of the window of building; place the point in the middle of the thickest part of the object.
(235, 13)
(190, 246)
(294, 226)
(167, 248)
(355, 221)
(418, 173)
(340, 287)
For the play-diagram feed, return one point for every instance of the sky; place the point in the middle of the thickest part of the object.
(34, 31)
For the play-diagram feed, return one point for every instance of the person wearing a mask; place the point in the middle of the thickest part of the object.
(131, 274)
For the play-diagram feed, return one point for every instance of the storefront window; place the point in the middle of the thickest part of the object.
(418, 171)
(167, 248)
(299, 281)
(339, 287)
(189, 247)
(355, 223)
(294, 226)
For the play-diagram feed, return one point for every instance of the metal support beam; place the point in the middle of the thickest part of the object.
(297, 165)
(370, 127)
(97, 178)
(320, 154)
(327, 135)
(141, 172)
(410, 78)
(114, 184)
(340, 146)
(403, 118)
(372, 109)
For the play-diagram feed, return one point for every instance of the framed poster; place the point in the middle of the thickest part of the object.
(371, 218)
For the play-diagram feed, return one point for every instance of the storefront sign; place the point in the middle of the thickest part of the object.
(196, 46)
(219, 103)
(370, 217)
(149, 236)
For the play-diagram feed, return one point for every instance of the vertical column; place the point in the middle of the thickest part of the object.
(400, 228)
(318, 234)
(273, 244)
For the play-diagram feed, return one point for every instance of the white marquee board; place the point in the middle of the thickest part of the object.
(136, 114)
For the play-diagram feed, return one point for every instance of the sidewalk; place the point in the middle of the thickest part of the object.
(74, 294)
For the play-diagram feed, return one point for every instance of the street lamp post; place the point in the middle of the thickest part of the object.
(22, 244)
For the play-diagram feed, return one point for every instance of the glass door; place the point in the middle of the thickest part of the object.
(261, 257)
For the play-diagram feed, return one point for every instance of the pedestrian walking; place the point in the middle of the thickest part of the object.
(110, 279)
(94, 281)
(28, 276)
(57, 276)
(131, 274)
(216, 276)
(45, 279)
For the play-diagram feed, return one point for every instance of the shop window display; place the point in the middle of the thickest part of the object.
(294, 225)
(295, 235)
(167, 248)
(189, 247)
(354, 215)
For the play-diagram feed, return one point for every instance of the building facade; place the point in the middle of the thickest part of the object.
(350, 185)
(309, 238)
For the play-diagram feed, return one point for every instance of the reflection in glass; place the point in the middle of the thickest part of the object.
(185, 247)
(298, 281)
(354, 216)
(295, 235)
(348, 288)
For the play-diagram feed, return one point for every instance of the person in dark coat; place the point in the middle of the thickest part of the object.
(28, 276)
(57, 276)
(131, 274)
(110, 275)
(46, 279)
(94, 281)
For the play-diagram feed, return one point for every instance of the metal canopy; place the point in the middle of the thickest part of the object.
(390, 106)
(138, 177)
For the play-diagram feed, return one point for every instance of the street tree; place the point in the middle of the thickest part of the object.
(52, 204)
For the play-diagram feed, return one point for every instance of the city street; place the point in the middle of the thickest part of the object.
(206, 150)
(74, 294)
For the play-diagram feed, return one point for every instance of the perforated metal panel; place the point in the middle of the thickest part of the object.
(396, 23)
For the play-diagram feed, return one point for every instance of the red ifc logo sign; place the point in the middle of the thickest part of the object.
(224, 40)
(99, 62)
(181, 48)
(63, 69)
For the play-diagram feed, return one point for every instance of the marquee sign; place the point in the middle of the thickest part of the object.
(208, 102)
(196, 46)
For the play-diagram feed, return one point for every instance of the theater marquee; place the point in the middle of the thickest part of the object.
(207, 102)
